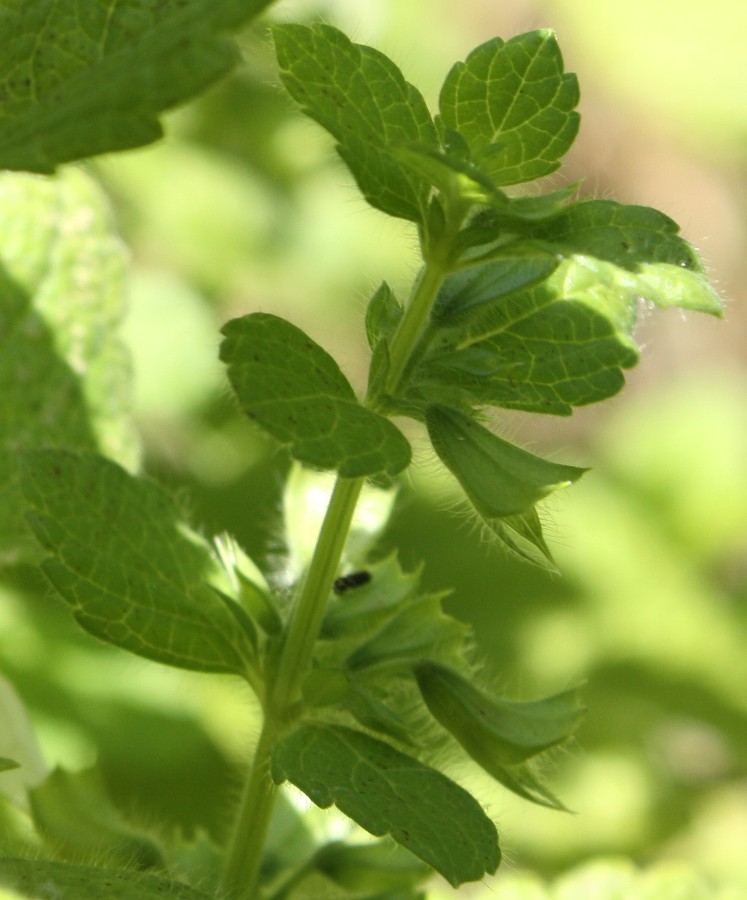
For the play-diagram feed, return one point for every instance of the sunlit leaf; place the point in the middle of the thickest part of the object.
(125, 562)
(296, 391)
(361, 97)
(514, 106)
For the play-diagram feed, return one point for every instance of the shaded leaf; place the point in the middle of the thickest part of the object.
(82, 79)
(500, 735)
(64, 375)
(42, 878)
(296, 391)
(514, 106)
(521, 535)
(74, 814)
(127, 565)
(510, 269)
(362, 99)
(8, 764)
(375, 867)
(420, 629)
(499, 478)
(387, 792)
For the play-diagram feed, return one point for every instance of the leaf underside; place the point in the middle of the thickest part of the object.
(385, 791)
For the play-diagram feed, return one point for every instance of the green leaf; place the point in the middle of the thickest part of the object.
(296, 391)
(504, 732)
(41, 878)
(127, 565)
(500, 735)
(372, 605)
(653, 261)
(82, 79)
(509, 269)
(383, 315)
(499, 478)
(387, 792)
(513, 105)
(8, 764)
(64, 375)
(362, 99)
(560, 344)
(74, 814)
(420, 629)
(522, 537)
(376, 867)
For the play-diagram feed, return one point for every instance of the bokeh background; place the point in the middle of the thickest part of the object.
(244, 206)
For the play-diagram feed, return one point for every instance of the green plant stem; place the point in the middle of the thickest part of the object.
(308, 613)
(413, 322)
(244, 854)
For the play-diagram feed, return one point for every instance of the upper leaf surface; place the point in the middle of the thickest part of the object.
(123, 559)
(361, 97)
(385, 791)
(514, 106)
(296, 391)
(77, 79)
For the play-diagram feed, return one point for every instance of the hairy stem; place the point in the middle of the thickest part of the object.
(245, 851)
(308, 613)
(244, 854)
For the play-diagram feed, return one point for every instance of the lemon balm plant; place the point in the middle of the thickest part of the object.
(523, 301)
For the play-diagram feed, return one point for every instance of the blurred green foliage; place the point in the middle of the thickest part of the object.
(243, 207)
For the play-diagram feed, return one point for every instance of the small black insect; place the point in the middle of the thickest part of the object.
(353, 580)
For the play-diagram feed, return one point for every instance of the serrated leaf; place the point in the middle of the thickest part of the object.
(82, 79)
(514, 106)
(420, 629)
(362, 99)
(42, 878)
(560, 344)
(653, 261)
(64, 375)
(373, 604)
(296, 391)
(499, 478)
(125, 562)
(73, 813)
(387, 792)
